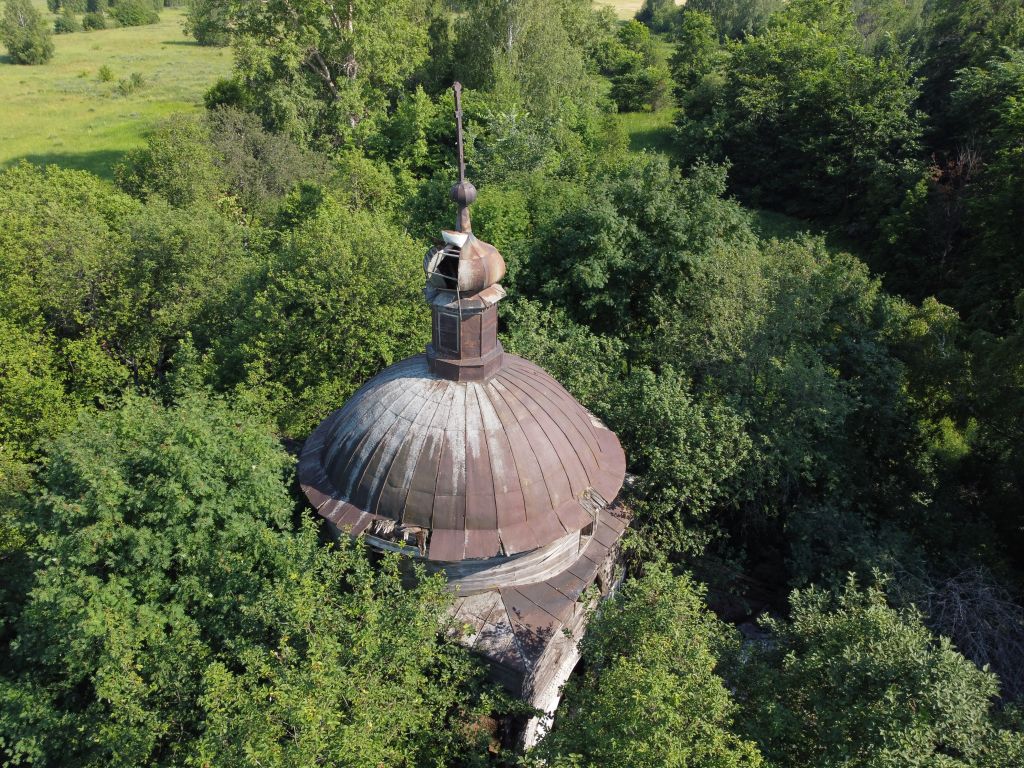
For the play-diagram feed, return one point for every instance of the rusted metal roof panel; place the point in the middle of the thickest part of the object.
(518, 537)
(482, 543)
(447, 544)
(501, 464)
(573, 516)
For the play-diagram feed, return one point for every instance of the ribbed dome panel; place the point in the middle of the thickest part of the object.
(478, 469)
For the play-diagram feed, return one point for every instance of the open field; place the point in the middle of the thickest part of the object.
(624, 9)
(61, 112)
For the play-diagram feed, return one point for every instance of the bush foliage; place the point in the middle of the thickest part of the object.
(25, 34)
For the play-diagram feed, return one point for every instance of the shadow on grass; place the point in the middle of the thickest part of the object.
(651, 131)
(768, 224)
(657, 139)
(100, 162)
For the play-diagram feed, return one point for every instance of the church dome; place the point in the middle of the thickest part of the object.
(461, 470)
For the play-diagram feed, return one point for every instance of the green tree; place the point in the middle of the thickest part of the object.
(530, 52)
(650, 690)
(31, 390)
(257, 166)
(115, 282)
(67, 22)
(811, 124)
(659, 15)
(848, 680)
(960, 34)
(883, 24)
(991, 271)
(64, 267)
(806, 348)
(640, 78)
(207, 21)
(735, 19)
(134, 13)
(177, 163)
(323, 73)
(340, 300)
(689, 452)
(997, 404)
(176, 617)
(634, 237)
(189, 267)
(94, 20)
(25, 34)
(356, 675)
(583, 362)
(697, 52)
(954, 233)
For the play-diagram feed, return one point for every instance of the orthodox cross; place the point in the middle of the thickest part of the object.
(463, 193)
(457, 88)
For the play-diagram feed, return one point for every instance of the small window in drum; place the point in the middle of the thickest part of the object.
(448, 332)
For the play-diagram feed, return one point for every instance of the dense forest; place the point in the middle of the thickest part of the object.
(803, 316)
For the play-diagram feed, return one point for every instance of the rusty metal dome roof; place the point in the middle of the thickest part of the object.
(462, 470)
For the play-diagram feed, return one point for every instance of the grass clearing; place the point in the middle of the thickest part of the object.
(62, 112)
(649, 130)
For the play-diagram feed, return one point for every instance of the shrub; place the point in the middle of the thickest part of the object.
(176, 163)
(106, 74)
(659, 15)
(260, 167)
(130, 84)
(227, 92)
(24, 33)
(813, 126)
(134, 13)
(66, 22)
(641, 88)
(649, 688)
(206, 21)
(96, 20)
(179, 613)
(640, 79)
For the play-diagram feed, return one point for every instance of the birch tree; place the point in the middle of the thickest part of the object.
(318, 69)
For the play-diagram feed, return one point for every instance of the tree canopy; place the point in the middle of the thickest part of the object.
(180, 616)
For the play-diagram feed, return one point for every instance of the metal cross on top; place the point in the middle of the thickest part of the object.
(463, 192)
(457, 88)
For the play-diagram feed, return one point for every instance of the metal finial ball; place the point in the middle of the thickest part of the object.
(463, 193)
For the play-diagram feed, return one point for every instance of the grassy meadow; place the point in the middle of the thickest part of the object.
(63, 112)
(624, 9)
(649, 130)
